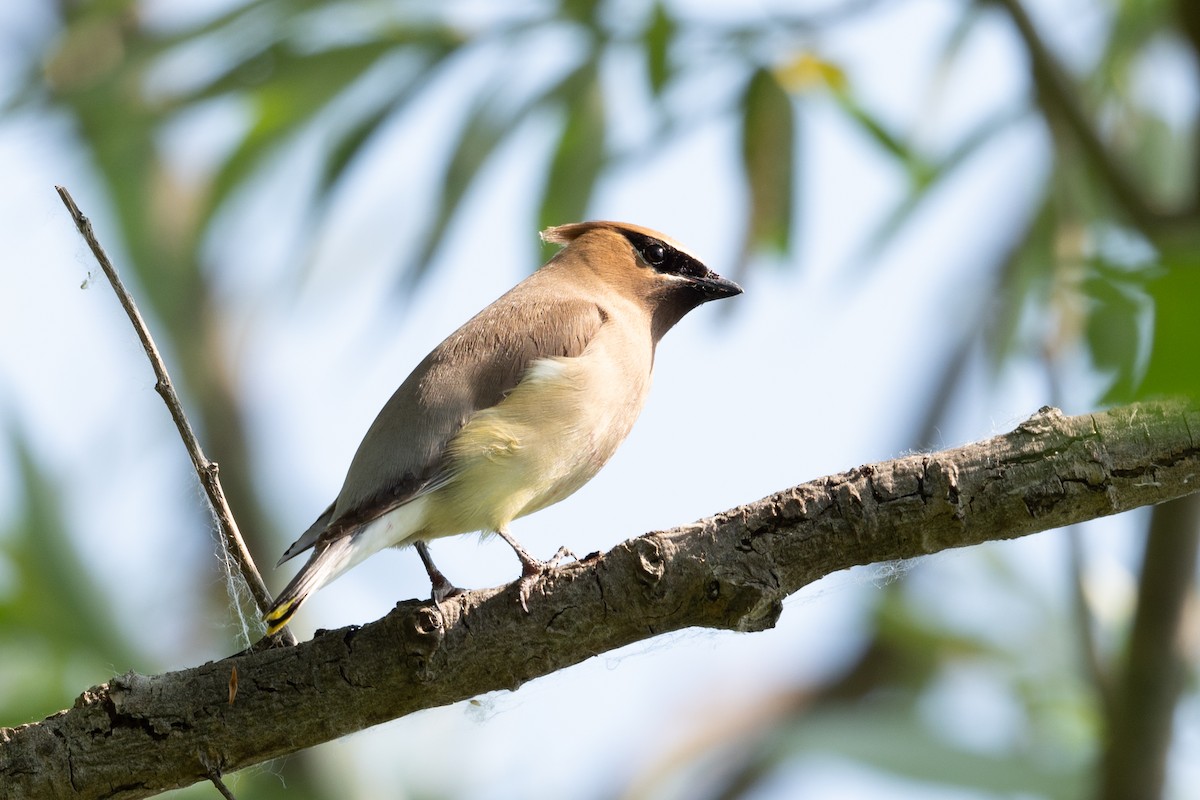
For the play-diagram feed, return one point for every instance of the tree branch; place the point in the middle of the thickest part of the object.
(206, 470)
(138, 735)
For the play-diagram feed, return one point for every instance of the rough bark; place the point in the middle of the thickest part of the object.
(138, 735)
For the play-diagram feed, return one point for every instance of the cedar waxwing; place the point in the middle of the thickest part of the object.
(515, 411)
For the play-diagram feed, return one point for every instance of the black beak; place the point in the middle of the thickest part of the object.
(714, 287)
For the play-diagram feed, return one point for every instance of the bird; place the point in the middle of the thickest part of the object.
(514, 411)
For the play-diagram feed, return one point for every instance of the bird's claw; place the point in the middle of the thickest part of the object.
(532, 572)
(443, 589)
(440, 587)
(562, 553)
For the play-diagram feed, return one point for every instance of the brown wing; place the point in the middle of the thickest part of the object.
(401, 455)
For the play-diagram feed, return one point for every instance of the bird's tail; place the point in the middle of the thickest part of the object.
(325, 564)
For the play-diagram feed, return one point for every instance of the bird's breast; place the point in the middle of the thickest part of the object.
(550, 435)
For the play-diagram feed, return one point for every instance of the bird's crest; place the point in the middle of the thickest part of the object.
(565, 234)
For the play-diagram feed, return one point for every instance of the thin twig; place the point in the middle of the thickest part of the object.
(215, 777)
(231, 537)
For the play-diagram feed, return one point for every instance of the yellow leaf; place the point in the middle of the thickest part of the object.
(808, 71)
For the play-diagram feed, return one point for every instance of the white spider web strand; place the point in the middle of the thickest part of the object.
(236, 587)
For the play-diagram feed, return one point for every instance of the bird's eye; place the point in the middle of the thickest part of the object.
(655, 254)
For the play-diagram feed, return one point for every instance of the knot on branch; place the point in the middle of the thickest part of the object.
(1046, 419)
(424, 634)
(741, 589)
(650, 563)
(746, 599)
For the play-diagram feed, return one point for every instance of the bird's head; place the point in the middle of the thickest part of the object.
(641, 263)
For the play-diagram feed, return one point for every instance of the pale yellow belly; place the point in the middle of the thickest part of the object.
(550, 436)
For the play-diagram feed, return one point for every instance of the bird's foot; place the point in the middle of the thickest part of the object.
(442, 588)
(532, 572)
(563, 552)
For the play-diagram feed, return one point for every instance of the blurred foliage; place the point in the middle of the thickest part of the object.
(906, 707)
(1104, 266)
(48, 588)
(768, 157)
(288, 69)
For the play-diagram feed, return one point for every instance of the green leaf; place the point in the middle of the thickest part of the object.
(53, 626)
(350, 140)
(1023, 280)
(580, 10)
(657, 40)
(486, 127)
(579, 155)
(1112, 331)
(347, 147)
(768, 158)
(480, 135)
(925, 177)
(300, 85)
(876, 130)
(1174, 367)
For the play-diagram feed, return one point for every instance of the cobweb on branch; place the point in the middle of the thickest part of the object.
(236, 588)
(888, 572)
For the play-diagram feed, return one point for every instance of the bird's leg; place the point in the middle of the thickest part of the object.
(442, 588)
(531, 568)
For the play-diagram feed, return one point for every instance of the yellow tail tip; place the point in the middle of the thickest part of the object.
(278, 617)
